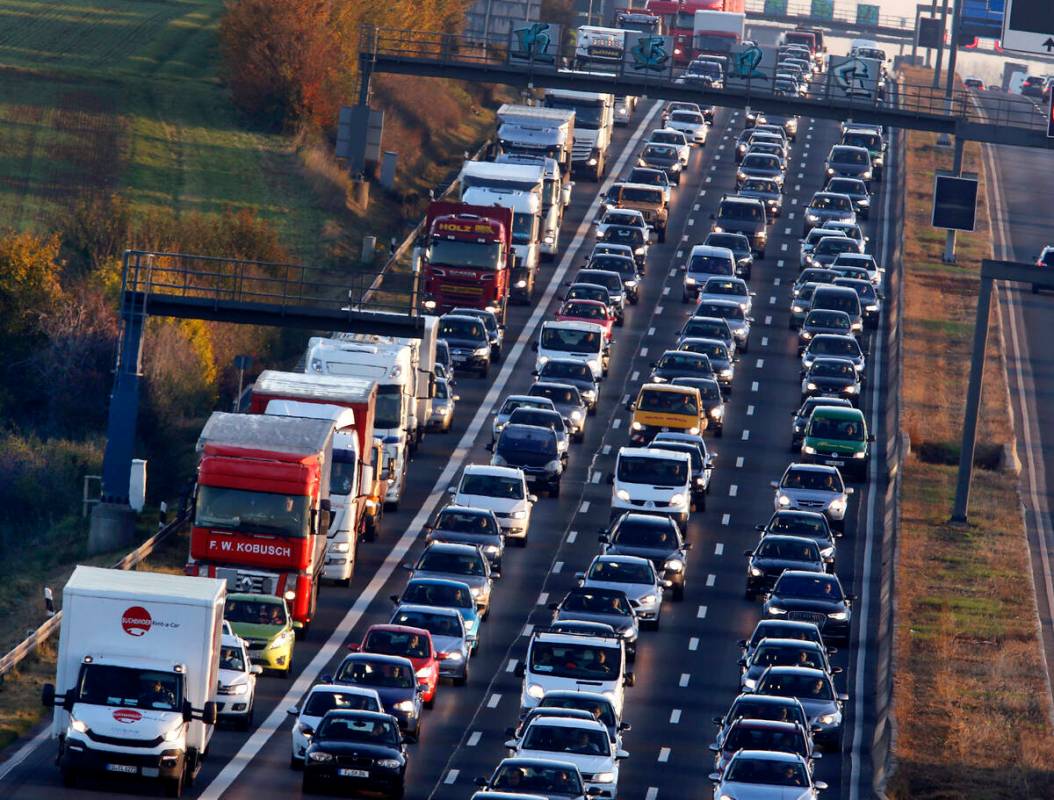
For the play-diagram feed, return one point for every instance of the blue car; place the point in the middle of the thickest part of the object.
(393, 678)
(446, 594)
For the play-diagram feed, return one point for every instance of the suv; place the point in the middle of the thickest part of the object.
(744, 215)
(649, 200)
(502, 490)
(470, 346)
(838, 437)
(870, 139)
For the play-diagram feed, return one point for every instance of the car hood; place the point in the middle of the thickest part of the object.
(587, 765)
(817, 708)
(811, 494)
(830, 383)
(472, 581)
(777, 565)
(757, 791)
(656, 555)
(357, 749)
(806, 604)
(448, 644)
(836, 445)
(739, 225)
(634, 591)
(501, 505)
(249, 630)
(465, 344)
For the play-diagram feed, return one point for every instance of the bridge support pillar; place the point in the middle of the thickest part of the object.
(124, 406)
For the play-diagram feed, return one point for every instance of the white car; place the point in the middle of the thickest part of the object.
(766, 775)
(653, 482)
(728, 289)
(813, 487)
(502, 490)
(675, 137)
(582, 742)
(236, 690)
(582, 341)
(691, 123)
(321, 698)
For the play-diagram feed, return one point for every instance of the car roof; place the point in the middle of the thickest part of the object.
(776, 641)
(487, 469)
(838, 412)
(430, 581)
(452, 547)
(606, 559)
(652, 520)
(710, 250)
(801, 466)
(378, 658)
(479, 512)
(652, 452)
(770, 755)
(395, 628)
(574, 325)
(666, 387)
(785, 537)
(443, 610)
(571, 722)
(341, 688)
(806, 672)
(766, 724)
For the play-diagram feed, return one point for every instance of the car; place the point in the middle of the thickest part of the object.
(838, 437)
(813, 487)
(708, 328)
(590, 291)
(801, 416)
(773, 148)
(713, 401)
(655, 538)
(759, 165)
(513, 402)
(652, 480)
(649, 199)
(608, 606)
(822, 321)
(739, 244)
(568, 401)
(762, 707)
(470, 345)
(789, 125)
(680, 364)
(592, 311)
(870, 299)
(582, 341)
(776, 553)
(445, 360)
(708, 73)
(629, 235)
(831, 345)
(535, 451)
(502, 490)
(366, 739)
(722, 361)
(832, 377)
(560, 660)
(849, 162)
(612, 281)
(853, 231)
(728, 289)
(625, 105)
(743, 215)
(973, 82)
(621, 216)
(829, 248)
(444, 403)
(575, 373)
(732, 312)
(691, 123)
(705, 262)
(809, 241)
(627, 268)
(392, 677)
(863, 261)
(320, 699)
(235, 696)
(636, 578)
(583, 627)
(702, 460)
(763, 775)
(545, 418)
(447, 630)
(1044, 261)
(856, 190)
(767, 735)
(466, 525)
(775, 652)
(769, 135)
(495, 330)
(664, 157)
(872, 141)
(516, 733)
(767, 191)
(458, 562)
(815, 690)
(1033, 86)
(827, 207)
(801, 303)
(598, 706)
(652, 177)
(264, 623)
(753, 118)
(781, 629)
(412, 642)
(806, 524)
(550, 778)
(582, 742)
(743, 143)
(840, 298)
(675, 137)
(786, 87)
(443, 593)
(809, 596)
(662, 407)
(851, 271)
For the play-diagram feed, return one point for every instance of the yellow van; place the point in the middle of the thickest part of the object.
(663, 407)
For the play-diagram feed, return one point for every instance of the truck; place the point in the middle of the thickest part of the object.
(678, 17)
(518, 188)
(635, 19)
(261, 507)
(717, 32)
(594, 124)
(556, 196)
(466, 257)
(599, 49)
(359, 395)
(137, 664)
(537, 131)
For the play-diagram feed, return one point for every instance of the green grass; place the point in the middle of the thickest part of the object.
(121, 95)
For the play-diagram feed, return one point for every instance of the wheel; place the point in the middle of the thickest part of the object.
(462, 680)
(174, 786)
(246, 722)
(620, 321)
(391, 505)
(578, 437)
(521, 542)
(746, 346)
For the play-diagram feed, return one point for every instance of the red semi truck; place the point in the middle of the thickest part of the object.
(262, 506)
(679, 21)
(467, 257)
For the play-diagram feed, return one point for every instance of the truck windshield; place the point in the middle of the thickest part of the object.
(663, 402)
(584, 661)
(568, 340)
(252, 512)
(128, 687)
(479, 255)
(654, 471)
(587, 115)
(523, 228)
(342, 478)
(714, 43)
(389, 411)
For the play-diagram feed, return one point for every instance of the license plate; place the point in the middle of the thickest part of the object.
(833, 462)
(353, 773)
(127, 768)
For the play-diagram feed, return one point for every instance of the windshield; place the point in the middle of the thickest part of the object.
(653, 176)
(767, 772)
(718, 286)
(760, 185)
(760, 161)
(128, 687)
(715, 351)
(255, 612)
(252, 512)
(687, 117)
(744, 737)
(745, 211)
(631, 533)
(788, 551)
(567, 369)
(452, 562)
(710, 265)
(666, 137)
(570, 340)
(810, 524)
(623, 234)
(543, 419)
(587, 115)
(805, 687)
(437, 594)
(518, 403)
(708, 388)
(664, 402)
(617, 216)
(835, 345)
(344, 470)
(652, 470)
(586, 661)
(823, 318)
(373, 730)
(750, 708)
(635, 194)
(461, 328)
(707, 69)
(813, 480)
(844, 155)
(435, 624)
(398, 643)
(683, 360)
(837, 301)
(659, 152)
(584, 310)
(834, 202)
(813, 586)
(622, 572)
(526, 439)
(832, 369)
(846, 186)
(320, 702)
(479, 255)
(493, 486)
(389, 411)
(681, 447)
(233, 658)
(561, 739)
(729, 311)
(465, 522)
(834, 244)
(706, 329)
(596, 603)
(379, 674)
(581, 292)
(560, 394)
(533, 778)
(523, 228)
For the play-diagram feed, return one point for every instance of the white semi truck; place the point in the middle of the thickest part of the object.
(138, 662)
(537, 131)
(594, 125)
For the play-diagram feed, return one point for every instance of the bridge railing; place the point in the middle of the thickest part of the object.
(804, 10)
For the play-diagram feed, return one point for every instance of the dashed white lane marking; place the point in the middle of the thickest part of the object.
(693, 643)
(750, 411)
(719, 549)
(665, 290)
(658, 310)
(746, 435)
(596, 476)
(783, 247)
(675, 716)
(494, 700)
(664, 755)
(777, 281)
(606, 450)
(652, 793)
(651, 331)
(800, 176)
(673, 272)
(707, 179)
(711, 579)
(702, 192)
(726, 518)
(616, 424)
(451, 776)
(754, 386)
(772, 300)
(558, 567)
(790, 215)
(786, 231)
(684, 237)
(543, 598)
(768, 319)
(625, 399)
(511, 666)
(764, 341)
(701, 612)
(680, 254)
(760, 363)
(695, 207)
(691, 221)
(584, 508)
(473, 740)
(571, 536)
(779, 263)
(733, 490)
(683, 682)
(633, 377)
(717, 158)
(528, 629)
(739, 462)
(643, 352)
(797, 187)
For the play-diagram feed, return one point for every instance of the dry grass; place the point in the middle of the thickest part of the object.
(970, 696)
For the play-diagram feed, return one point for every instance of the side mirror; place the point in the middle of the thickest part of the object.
(534, 373)
(293, 711)
(819, 786)
(713, 748)
(451, 490)
(748, 553)
(715, 777)
(684, 267)
(717, 720)
(456, 398)
(837, 670)
(520, 670)
(511, 744)
(580, 576)
(47, 695)
(510, 731)
(843, 698)
(625, 727)
(481, 782)
(354, 647)
(631, 406)
(533, 498)
(713, 216)
(850, 490)
(742, 662)
(256, 669)
(759, 527)
(774, 484)
(209, 713)
(408, 567)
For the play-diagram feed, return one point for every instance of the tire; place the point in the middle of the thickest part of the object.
(391, 505)
(246, 722)
(484, 370)
(579, 437)
(678, 592)
(174, 786)
(461, 681)
(295, 764)
(620, 321)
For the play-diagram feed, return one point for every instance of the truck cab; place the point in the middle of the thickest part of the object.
(594, 124)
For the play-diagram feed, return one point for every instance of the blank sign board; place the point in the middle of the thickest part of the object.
(954, 202)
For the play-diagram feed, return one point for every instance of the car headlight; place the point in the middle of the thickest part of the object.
(639, 251)
(491, 550)
(852, 388)
(866, 176)
(518, 515)
(552, 466)
(809, 449)
(741, 175)
(405, 705)
(603, 777)
(521, 284)
(827, 552)
(388, 763)
(278, 641)
(576, 415)
(839, 615)
(549, 239)
(828, 719)
(783, 500)
(589, 394)
(750, 684)
(305, 730)
(542, 361)
(320, 757)
(675, 166)
(630, 284)
(677, 500)
(641, 162)
(755, 572)
(592, 161)
(173, 734)
(872, 307)
(79, 725)
(812, 217)
(636, 426)
(340, 547)
(837, 505)
(797, 309)
(830, 171)
(779, 612)
(810, 386)
(430, 304)
(693, 430)
(536, 691)
(864, 202)
(455, 655)
(647, 600)
(718, 229)
(476, 591)
(236, 688)
(424, 672)
(674, 564)
(481, 352)
(623, 495)
(717, 412)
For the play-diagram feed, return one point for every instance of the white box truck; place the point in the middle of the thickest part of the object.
(138, 661)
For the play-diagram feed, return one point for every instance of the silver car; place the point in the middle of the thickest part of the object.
(458, 562)
(809, 242)
(512, 402)
(448, 636)
(731, 312)
(813, 487)
(634, 576)
(815, 690)
(443, 406)
(728, 289)
(830, 345)
(766, 775)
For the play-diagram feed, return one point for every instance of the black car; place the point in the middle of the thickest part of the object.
(681, 364)
(849, 162)
(815, 597)
(394, 681)
(713, 401)
(612, 281)
(631, 236)
(707, 328)
(828, 206)
(495, 330)
(533, 450)
(743, 215)
(806, 524)
(821, 321)
(574, 372)
(801, 417)
(776, 553)
(767, 191)
(832, 377)
(656, 538)
(470, 347)
(856, 190)
(664, 157)
(625, 266)
(739, 244)
(356, 750)
(465, 525)
(606, 606)
(870, 299)
(544, 418)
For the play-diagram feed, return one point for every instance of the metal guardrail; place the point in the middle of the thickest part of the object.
(19, 652)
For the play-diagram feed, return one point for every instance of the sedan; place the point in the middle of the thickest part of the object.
(236, 689)
(721, 359)
(849, 162)
(574, 372)
(708, 328)
(856, 190)
(727, 289)
(447, 632)
(691, 123)
(806, 524)
(815, 597)
(546, 418)
(813, 487)
(760, 706)
(809, 242)
(582, 742)
(608, 606)
(773, 555)
(676, 138)
(680, 364)
(781, 629)
(599, 706)
(870, 299)
(321, 699)
(759, 165)
(827, 207)
(634, 576)
(731, 312)
(664, 157)
(713, 401)
(829, 345)
(588, 311)
(457, 562)
(631, 236)
(474, 526)
(627, 268)
(832, 377)
(568, 401)
(392, 677)
(444, 594)
(767, 191)
(655, 538)
(495, 330)
(829, 248)
(768, 735)
(814, 689)
(823, 322)
(764, 775)
(621, 216)
(771, 652)
(513, 402)
(366, 739)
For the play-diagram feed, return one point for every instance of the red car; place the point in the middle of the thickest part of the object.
(412, 643)
(587, 311)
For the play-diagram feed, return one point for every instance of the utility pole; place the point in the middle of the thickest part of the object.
(940, 45)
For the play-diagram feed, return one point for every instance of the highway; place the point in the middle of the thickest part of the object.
(686, 672)
(1018, 188)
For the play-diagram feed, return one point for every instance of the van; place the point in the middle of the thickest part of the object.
(653, 482)
(663, 407)
(573, 662)
(840, 298)
(582, 341)
(705, 262)
(838, 437)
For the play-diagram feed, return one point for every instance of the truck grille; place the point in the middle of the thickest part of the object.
(355, 761)
(248, 582)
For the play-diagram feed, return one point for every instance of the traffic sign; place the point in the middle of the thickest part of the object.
(775, 8)
(954, 201)
(854, 77)
(1028, 26)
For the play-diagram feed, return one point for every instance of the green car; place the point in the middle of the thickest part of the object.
(838, 437)
(264, 622)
